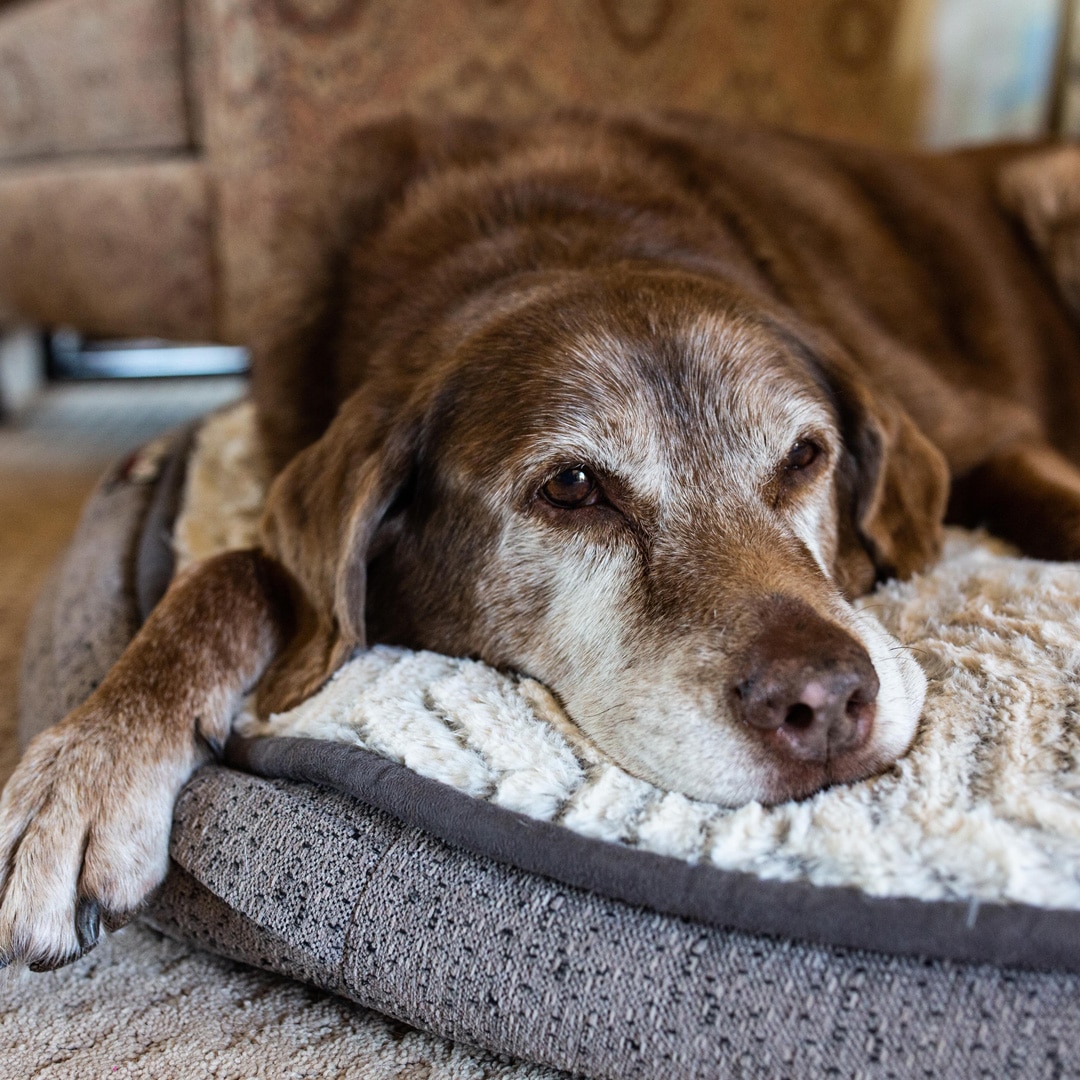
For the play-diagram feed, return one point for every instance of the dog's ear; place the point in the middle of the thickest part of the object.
(324, 519)
(1042, 189)
(894, 483)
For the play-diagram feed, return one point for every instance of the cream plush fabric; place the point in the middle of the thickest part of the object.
(985, 806)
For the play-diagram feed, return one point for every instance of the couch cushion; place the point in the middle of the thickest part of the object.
(112, 249)
(82, 76)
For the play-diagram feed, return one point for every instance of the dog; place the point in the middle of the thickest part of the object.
(634, 405)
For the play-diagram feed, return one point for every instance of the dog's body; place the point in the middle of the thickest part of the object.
(633, 406)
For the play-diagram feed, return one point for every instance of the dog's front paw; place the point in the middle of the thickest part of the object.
(84, 832)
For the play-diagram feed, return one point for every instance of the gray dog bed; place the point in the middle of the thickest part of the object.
(337, 866)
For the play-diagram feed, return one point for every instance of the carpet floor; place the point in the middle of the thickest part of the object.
(141, 1005)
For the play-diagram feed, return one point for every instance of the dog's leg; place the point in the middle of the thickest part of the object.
(84, 819)
(1028, 494)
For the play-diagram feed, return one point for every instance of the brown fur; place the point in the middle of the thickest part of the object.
(466, 308)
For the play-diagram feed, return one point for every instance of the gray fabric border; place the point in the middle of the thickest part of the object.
(1011, 935)
(86, 613)
(116, 568)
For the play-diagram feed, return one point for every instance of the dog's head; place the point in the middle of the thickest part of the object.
(651, 495)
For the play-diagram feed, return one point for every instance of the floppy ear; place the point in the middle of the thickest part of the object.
(896, 486)
(1042, 189)
(323, 517)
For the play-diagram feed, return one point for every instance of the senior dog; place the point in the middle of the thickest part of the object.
(635, 406)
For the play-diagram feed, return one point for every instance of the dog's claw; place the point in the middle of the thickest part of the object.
(88, 924)
(53, 963)
(214, 745)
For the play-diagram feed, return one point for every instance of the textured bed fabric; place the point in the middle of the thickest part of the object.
(88, 612)
(321, 886)
(142, 1006)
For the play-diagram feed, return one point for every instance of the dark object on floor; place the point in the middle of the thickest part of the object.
(71, 356)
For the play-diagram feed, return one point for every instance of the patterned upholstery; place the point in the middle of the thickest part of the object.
(1066, 112)
(95, 94)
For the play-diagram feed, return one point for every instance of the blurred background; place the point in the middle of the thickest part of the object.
(141, 142)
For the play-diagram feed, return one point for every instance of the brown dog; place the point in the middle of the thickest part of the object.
(634, 406)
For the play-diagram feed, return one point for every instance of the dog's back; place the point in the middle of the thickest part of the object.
(910, 263)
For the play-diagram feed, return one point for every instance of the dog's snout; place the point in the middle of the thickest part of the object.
(807, 688)
(817, 717)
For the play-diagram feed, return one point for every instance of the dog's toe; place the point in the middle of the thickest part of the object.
(77, 854)
(123, 864)
(37, 916)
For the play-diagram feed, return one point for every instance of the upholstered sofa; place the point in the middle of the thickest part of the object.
(141, 140)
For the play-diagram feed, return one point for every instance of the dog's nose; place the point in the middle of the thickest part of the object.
(807, 687)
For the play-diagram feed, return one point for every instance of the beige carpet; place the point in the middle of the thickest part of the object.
(141, 1005)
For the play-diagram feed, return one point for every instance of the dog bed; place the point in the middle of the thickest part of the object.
(529, 897)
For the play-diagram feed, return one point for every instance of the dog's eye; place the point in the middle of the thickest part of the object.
(571, 489)
(802, 455)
